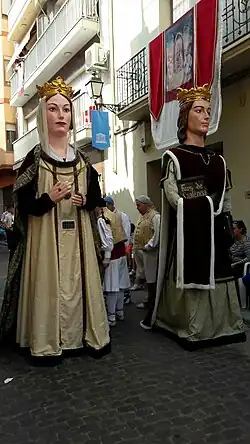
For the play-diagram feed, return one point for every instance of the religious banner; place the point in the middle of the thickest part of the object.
(100, 129)
(187, 54)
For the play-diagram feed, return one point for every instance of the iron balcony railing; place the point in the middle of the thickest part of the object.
(236, 20)
(132, 79)
(82, 104)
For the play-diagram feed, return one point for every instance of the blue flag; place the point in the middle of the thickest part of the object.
(100, 129)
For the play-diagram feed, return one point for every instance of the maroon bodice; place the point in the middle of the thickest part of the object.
(197, 162)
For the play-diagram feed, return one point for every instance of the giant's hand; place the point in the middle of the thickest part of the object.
(59, 191)
(78, 200)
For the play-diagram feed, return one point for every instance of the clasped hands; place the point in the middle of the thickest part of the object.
(62, 190)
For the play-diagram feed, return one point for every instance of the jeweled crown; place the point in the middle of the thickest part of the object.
(57, 86)
(185, 96)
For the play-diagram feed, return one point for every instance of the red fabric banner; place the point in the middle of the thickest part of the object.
(206, 36)
(156, 77)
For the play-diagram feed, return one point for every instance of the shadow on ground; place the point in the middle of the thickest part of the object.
(147, 391)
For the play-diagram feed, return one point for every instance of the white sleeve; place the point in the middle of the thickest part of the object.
(170, 185)
(126, 224)
(154, 241)
(106, 237)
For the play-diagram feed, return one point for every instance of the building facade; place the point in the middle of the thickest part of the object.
(51, 38)
(55, 37)
(134, 165)
(7, 113)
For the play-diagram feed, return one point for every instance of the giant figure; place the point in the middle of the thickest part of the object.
(196, 299)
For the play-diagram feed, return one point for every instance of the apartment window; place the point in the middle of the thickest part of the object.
(10, 138)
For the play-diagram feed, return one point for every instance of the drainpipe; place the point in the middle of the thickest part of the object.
(112, 82)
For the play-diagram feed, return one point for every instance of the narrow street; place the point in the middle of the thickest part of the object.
(147, 391)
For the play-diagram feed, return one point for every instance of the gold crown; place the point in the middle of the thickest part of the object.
(57, 86)
(190, 95)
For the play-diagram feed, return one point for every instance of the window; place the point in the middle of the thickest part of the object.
(10, 138)
(180, 7)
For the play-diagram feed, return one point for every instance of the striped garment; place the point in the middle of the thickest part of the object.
(240, 251)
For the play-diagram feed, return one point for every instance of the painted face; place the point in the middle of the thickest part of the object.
(199, 117)
(237, 232)
(58, 115)
(141, 207)
(110, 206)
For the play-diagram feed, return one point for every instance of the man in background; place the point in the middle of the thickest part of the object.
(146, 250)
(126, 223)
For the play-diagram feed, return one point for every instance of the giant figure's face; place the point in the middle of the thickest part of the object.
(58, 112)
(199, 117)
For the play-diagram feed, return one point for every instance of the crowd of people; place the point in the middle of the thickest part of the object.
(73, 253)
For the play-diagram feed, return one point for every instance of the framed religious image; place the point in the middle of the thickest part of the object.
(179, 55)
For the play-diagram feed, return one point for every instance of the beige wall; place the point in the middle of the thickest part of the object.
(234, 131)
(7, 114)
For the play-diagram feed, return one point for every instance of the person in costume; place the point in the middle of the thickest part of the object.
(116, 276)
(126, 223)
(196, 300)
(53, 300)
(146, 250)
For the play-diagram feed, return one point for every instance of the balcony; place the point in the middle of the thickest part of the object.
(132, 77)
(236, 19)
(21, 15)
(132, 86)
(25, 143)
(75, 24)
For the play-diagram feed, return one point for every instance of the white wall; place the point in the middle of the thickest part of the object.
(135, 24)
(234, 131)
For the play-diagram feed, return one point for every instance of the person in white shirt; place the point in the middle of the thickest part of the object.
(7, 220)
(126, 223)
(116, 278)
(146, 250)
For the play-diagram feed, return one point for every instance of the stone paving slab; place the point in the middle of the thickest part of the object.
(148, 391)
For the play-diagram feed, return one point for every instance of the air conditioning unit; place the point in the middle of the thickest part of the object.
(96, 58)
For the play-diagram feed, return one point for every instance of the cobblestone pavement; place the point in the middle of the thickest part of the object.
(147, 391)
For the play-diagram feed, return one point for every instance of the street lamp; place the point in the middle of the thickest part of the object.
(94, 89)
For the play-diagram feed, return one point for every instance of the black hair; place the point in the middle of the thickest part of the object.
(241, 226)
(132, 228)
